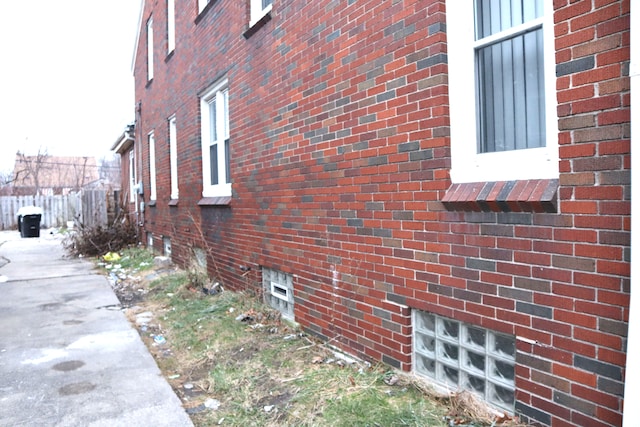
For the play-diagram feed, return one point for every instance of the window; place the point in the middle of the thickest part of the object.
(214, 107)
(171, 26)
(150, 49)
(132, 177)
(462, 356)
(278, 291)
(173, 157)
(202, 4)
(152, 167)
(259, 8)
(502, 51)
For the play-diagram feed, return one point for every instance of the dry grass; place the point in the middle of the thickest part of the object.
(261, 371)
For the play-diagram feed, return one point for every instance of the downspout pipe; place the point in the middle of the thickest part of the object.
(631, 413)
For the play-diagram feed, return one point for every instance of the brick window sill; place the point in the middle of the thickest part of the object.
(173, 202)
(536, 195)
(215, 201)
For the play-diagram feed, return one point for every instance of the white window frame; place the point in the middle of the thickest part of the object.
(171, 26)
(467, 165)
(173, 157)
(202, 4)
(152, 166)
(213, 94)
(257, 11)
(132, 177)
(150, 49)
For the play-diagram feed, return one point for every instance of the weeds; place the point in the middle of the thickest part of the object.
(135, 259)
(263, 372)
(233, 349)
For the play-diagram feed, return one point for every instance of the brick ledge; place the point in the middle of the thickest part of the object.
(214, 201)
(535, 195)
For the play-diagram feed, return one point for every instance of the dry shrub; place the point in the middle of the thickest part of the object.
(198, 277)
(465, 408)
(98, 240)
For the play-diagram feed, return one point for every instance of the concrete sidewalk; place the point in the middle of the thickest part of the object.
(68, 355)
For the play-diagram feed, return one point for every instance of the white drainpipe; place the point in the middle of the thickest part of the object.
(631, 415)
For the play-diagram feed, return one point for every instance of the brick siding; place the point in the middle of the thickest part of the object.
(340, 157)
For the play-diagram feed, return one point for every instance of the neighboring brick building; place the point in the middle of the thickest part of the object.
(326, 152)
(43, 174)
(124, 146)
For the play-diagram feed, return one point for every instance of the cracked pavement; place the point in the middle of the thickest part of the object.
(64, 359)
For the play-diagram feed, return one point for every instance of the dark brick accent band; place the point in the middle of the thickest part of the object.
(575, 66)
(537, 195)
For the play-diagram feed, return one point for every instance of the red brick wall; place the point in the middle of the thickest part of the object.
(340, 161)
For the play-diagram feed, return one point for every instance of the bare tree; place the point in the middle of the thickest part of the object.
(80, 173)
(30, 169)
(109, 169)
(6, 177)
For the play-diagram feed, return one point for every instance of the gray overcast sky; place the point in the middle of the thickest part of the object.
(66, 83)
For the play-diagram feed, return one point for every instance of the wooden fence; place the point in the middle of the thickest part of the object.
(88, 207)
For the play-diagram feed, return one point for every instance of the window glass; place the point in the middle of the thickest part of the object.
(132, 177)
(510, 94)
(213, 155)
(152, 167)
(493, 16)
(173, 157)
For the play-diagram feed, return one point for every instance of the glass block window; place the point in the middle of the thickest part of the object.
(278, 291)
(466, 357)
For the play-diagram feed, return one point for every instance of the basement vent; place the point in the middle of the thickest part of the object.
(278, 291)
(166, 244)
(466, 357)
(200, 257)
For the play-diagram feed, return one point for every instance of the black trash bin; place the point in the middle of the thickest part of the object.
(29, 221)
(30, 226)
